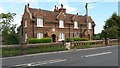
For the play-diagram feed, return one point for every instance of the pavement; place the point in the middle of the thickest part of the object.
(100, 56)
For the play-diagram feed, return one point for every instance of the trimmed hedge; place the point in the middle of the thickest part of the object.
(80, 39)
(76, 39)
(69, 39)
(43, 40)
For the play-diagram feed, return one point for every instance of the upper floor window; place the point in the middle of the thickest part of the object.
(39, 35)
(39, 22)
(25, 23)
(61, 36)
(61, 24)
(89, 26)
(75, 24)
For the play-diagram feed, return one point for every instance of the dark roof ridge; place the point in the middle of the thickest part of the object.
(52, 11)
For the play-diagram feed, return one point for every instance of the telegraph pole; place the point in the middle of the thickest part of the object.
(86, 6)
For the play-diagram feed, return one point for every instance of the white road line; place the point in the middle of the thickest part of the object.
(42, 62)
(49, 62)
(56, 52)
(92, 55)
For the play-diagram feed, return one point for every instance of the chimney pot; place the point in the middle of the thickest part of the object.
(55, 6)
(28, 4)
(77, 13)
(61, 5)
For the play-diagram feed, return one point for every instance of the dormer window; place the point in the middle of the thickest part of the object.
(61, 24)
(75, 24)
(39, 22)
(89, 26)
(25, 23)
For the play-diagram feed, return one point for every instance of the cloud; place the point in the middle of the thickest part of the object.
(63, 2)
(66, 5)
(58, 0)
(91, 6)
(17, 19)
(70, 9)
(2, 9)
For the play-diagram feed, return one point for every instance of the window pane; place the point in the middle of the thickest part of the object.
(89, 26)
(25, 23)
(25, 37)
(61, 23)
(39, 35)
(75, 24)
(39, 22)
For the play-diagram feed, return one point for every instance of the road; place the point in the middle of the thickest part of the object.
(102, 56)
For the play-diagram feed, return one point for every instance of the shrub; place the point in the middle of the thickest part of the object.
(68, 39)
(80, 39)
(33, 40)
(43, 40)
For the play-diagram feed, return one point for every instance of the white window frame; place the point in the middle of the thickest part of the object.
(89, 26)
(61, 24)
(25, 23)
(75, 24)
(39, 22)
(26, 37)
(75, 35)
(61, 36)
(39, 35)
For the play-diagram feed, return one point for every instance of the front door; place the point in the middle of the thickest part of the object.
(53, 38)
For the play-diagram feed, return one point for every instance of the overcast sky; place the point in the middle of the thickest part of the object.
(99, 10)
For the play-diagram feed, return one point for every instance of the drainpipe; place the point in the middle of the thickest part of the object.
(69, 30)
(33, 28)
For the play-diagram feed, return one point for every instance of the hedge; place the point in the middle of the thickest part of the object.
(80, 39)
(68, 39)
(43, 40)
(76, 39)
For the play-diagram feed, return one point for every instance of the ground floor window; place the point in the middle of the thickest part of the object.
(61, 36)
(75, 35)
(39, 35)
(26, 37)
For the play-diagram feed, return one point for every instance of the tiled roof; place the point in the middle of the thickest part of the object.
(51, 16)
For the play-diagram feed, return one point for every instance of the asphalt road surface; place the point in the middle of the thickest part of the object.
(101, 56)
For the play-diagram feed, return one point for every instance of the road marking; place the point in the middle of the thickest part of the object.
(49, 62)
(56, 52)
(92, 55)
(42, 62)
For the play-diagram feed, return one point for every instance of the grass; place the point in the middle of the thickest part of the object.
(8, 52)
(17, 51)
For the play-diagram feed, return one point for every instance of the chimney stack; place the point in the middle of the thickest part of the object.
(62, 9)
(56, 9)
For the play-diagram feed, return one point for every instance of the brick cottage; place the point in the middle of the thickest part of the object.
(57, 24)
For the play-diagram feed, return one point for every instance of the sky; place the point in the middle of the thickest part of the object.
(99, 10)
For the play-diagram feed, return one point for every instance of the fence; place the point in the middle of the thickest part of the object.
(16, 50)
(94, 43)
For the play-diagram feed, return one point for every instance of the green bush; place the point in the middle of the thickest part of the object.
(80, 39)
(43, 40)
(68, 39)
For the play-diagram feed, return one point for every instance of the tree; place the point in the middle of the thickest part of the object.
(111, 27)
(9, 35)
